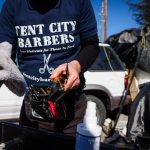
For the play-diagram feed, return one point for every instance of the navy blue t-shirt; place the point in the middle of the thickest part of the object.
(44, 41)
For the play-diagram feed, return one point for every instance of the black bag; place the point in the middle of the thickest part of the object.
(124, 44)
(120, 142)
(128, 44)
(139, 117)
(144, 62)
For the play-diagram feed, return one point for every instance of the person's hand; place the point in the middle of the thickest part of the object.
(73, 80)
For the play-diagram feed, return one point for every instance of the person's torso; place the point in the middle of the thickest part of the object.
(46, 40)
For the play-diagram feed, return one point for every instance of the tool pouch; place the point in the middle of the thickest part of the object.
(47, 102)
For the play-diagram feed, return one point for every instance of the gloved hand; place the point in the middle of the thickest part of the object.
(9, 72)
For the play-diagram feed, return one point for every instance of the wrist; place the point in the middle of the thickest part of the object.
(76, 65)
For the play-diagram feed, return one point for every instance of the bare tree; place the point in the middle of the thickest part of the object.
(141, 11)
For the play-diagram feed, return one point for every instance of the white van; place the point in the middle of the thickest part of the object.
(105, 81)
(10, 104)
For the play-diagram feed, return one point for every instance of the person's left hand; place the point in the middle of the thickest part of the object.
(73, 80)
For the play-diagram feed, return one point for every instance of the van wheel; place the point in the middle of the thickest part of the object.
(100, 108)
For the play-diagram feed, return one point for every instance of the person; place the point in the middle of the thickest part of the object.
(50, 36)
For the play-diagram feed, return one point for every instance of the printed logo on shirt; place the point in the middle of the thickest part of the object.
(31, 37)
(42, 70)
(34, 78)
(46, 67)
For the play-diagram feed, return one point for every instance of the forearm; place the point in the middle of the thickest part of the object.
(89, 52)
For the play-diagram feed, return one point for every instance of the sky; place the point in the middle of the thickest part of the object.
(120, 16)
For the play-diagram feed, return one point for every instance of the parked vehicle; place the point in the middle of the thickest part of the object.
(104, 85)
(10, 104)
(105, 81)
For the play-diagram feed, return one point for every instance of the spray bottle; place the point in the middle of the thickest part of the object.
(88, 132)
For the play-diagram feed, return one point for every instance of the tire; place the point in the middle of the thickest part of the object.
(100, 108)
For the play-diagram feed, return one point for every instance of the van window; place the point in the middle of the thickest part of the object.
(107, 60)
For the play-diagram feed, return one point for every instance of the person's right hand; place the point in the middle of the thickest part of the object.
(73, 80)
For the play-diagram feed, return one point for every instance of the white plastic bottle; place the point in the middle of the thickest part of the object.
(88, 132)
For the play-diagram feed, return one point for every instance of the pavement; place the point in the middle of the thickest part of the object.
(120, 127)
(122, 122)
